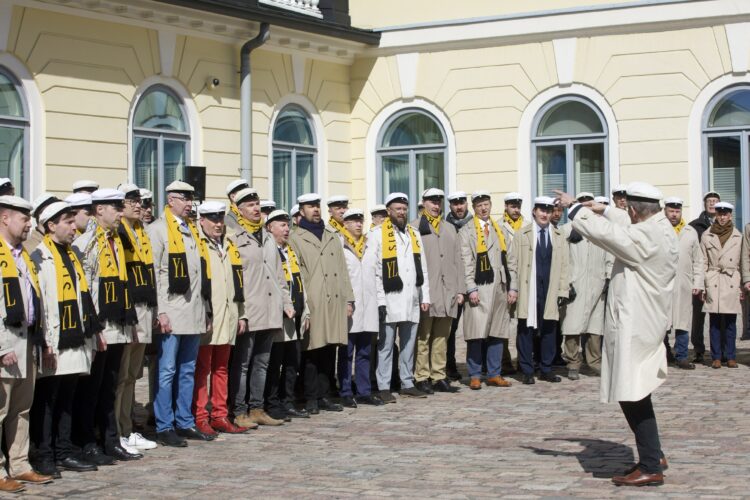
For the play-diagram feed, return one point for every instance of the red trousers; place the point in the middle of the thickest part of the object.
(213, 361)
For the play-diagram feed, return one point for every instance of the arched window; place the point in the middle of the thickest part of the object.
(14, 133)
(161, 141)
(294, 156)
(569, 148)
(412, 153)
(726, 134)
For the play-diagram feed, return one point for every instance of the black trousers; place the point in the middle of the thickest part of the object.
(52, 416)
(642, 421)
(95, 400)
(450, 356)
(283, 366)
(696, 331)
(319, 368)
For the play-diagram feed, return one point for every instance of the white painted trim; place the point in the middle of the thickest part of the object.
(407, 73)
(167, 44)
(6, 13)
(371, 175)
(565, 59)
(527, 121)
(321, 162)
(738, 38)
(193, 118)
(579, 22)
(299, 62)
(37, 123)
(695, 137)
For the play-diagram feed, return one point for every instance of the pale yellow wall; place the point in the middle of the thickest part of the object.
(382, 13)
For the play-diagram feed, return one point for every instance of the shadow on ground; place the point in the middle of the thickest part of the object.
(602, 459)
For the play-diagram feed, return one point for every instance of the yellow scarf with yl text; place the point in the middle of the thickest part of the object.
(293, 277)
(483, 273)
(179, 281)
(391, 279)
(114, 300)
(679, 226)
(514, 224)
(139, 260)
(74, 329)
(15, 312)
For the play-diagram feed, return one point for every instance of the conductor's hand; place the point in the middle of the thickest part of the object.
(566, 200)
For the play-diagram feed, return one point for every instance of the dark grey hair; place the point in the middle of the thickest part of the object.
(644, 208)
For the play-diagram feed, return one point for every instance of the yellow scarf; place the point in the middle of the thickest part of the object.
(483, 273)
(391, 280)
(514, 224)
(114, 300)
(73, 328)
(15, 312)
(679, 226)
(250, 227)
(139, 260)
(294, 278)
(179, 281)
(357, 245)
(434, 222)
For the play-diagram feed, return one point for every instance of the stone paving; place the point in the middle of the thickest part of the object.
(540, 441)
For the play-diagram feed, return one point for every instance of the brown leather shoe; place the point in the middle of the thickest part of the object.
(732, 363)
(205, 428)
(10, 485)
(475, 384)
(498, 382)
(639, 478)
(716, 364)
(224, 425)
(260, 417)
(662, 463)
(244, 420)
(33, 477)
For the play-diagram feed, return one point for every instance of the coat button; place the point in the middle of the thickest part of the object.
(269, 294)
(331, 253)
(337, 295)
(334, 275)
(267, 278)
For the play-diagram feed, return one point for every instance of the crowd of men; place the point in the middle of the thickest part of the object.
(247, 315)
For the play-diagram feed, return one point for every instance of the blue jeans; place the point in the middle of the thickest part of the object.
(725, 344)
(361, 342)
(407, 336)
(680, 344)
(547, 347)
(176, 379)
(474, 348)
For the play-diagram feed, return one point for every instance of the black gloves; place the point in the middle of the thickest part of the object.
(564, 301)
(381, 313)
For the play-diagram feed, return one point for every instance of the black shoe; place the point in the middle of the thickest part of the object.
(326, 405)
(444, 386)
(549, 377)
(295, 413)
(509, 369)
(412, 392)
(94, 455)
(425, 387)
(72, 464)
(386, 397)
(528, 379)
(48, 468)
(370, 400)
(279, 414)
(312, 408)
(684, 364)
(170, 438)
(698, 360)
(453, 374)
(349, 402)
(122, 454)
(194, 434)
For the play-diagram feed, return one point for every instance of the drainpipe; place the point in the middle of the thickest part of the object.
(246, 104)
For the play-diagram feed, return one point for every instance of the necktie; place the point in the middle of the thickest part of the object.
(486, 229)
(543, 238)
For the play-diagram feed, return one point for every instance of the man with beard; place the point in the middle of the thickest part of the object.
(330, 299)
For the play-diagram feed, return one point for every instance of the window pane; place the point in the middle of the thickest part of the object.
(11, 156)
(293, 126)
(589, 164)
(732, 111)
(724, 160)
(430, 171)
(145, 163)
(174, 160)
(551, 169)
(395, 174)
(305, 172)
(10, 100)
(159, 110)
(570, 118)
(413, 129)
(282, 171)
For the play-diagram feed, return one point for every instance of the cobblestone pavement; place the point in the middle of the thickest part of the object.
(545, 440)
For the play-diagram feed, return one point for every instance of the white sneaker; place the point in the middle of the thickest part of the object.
(137, 441)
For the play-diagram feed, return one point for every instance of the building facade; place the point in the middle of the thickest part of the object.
(367, 97)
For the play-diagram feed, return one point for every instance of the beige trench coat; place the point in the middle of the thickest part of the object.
(589, 268)
(88, 252)
(328, 291)
(69, 361)
(491, 317)
(722, 273)
(226, 312)
(639, 302)
(15, 339)
(442, 254)
(520, 261)
(746, 254)
(689, 277)
(266, 290)
(186, 312)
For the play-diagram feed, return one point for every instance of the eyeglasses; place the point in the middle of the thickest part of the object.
(133, 201)
(186, 199)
